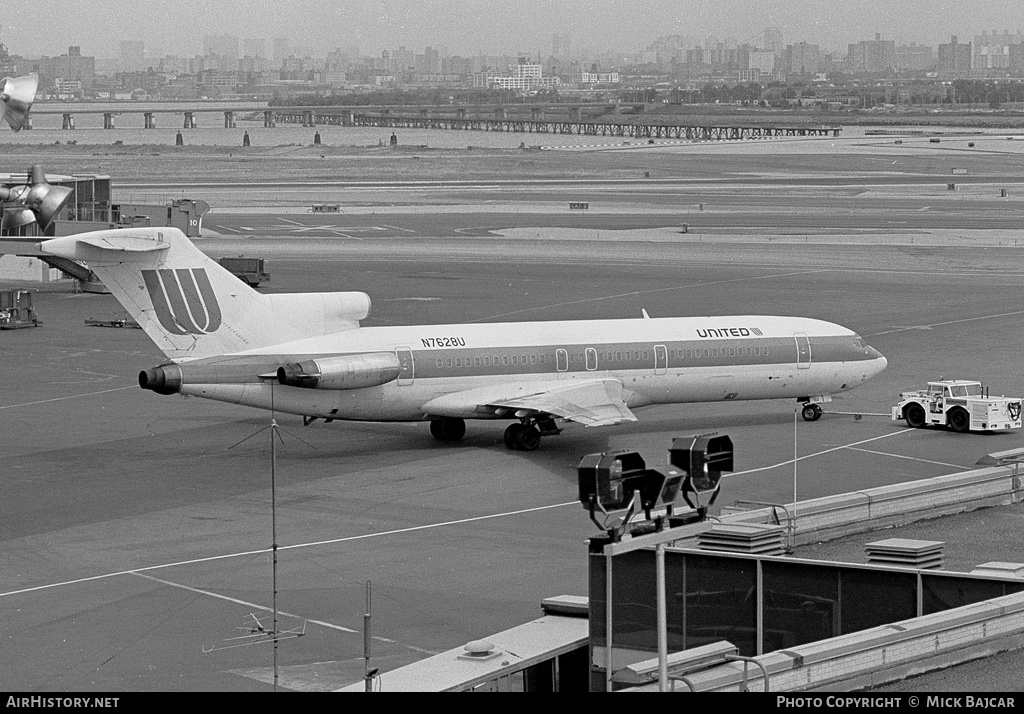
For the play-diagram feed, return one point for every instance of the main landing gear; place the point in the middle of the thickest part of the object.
(525, 436)
(522, 436)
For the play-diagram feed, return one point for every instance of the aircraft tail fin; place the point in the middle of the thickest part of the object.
(187, 303)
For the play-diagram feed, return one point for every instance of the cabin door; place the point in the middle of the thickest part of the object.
(803, 350)
(660, 359)
(407, 364)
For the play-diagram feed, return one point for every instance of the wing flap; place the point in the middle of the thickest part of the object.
(593, 403)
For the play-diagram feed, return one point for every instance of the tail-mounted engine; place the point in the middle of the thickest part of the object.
(344, 372)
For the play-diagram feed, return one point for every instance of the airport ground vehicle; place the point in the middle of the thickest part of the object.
(960, 404)
(251, 271)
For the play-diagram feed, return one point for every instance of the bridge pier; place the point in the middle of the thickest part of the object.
(69, 122)
(108, 120)
(190, 120)
(229, 120)
(307, 119)
(148, 122)
(268, 119)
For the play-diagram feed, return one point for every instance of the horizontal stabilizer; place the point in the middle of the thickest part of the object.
(104, 245)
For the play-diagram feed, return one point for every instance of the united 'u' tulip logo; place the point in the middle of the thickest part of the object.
(184, 300)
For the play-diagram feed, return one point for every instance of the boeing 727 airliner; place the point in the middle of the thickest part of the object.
(228, 342)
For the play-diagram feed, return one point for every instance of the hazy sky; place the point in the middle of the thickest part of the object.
(486, 26)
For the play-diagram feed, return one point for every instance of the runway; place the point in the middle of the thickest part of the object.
(136, 528)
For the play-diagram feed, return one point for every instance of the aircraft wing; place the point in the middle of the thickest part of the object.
(592, 403)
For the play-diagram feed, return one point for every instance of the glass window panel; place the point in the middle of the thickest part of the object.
(869, 598)
(720, 599)
(946, 592)
(801, 604)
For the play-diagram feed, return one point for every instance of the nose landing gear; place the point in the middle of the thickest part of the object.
(811, 412)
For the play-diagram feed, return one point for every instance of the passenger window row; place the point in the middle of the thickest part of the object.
(616, 356)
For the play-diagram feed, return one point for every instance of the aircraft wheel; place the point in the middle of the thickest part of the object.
(528, 438)
(959, 420)
(448, 429)
(811, 412)
(915, 416)
(512, 435)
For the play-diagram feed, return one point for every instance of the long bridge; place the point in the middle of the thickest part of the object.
(547, 119)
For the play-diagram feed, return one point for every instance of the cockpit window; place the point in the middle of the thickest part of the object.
(859, 341)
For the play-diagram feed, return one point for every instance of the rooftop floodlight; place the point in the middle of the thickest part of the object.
(44, 199)
(18, 218)
(616, 485)
(16, 96)
(704, 458)
(38, 202)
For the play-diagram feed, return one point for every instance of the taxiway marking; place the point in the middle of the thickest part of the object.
(950, 322)
(817, 453)
(73, 396)
(914, 458)
(411, 529)
(252, 605)
(312, 544)
(655, 290)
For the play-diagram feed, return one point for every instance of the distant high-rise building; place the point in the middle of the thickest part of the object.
(431, 61)
(802, 58)
(1017, 56)
(133, 55)
(763, 61)
(955, 57)
(993, 51)
(773, 41)
(282, 49)
(876, 55)
(72, 67)
(7, 65)
(915, 57)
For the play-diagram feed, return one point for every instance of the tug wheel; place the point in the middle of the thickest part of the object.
(959, 420)
(915, 416)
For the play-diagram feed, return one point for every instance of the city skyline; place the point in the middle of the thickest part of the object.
(471, 27)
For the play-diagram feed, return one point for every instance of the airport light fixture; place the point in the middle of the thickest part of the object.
(35, 202)
(616, 486)
(16, 97)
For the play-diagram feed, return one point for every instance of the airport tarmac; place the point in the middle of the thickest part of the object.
(135, 530)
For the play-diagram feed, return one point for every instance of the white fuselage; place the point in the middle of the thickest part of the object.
(658, 361)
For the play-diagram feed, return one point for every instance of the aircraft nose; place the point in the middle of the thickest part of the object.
(880, 361)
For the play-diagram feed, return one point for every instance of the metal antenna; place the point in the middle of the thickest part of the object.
(368, 674)
(258, 633)
(273, 524)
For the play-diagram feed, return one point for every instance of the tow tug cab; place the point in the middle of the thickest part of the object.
(961, 404)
